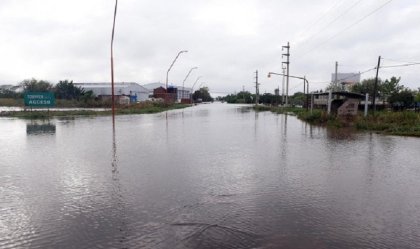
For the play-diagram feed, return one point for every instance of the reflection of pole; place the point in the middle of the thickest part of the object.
(112, 59)
(114, 148)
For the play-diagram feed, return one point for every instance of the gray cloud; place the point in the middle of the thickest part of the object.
(227, 40)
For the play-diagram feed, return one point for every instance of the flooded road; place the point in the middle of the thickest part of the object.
(210, 176)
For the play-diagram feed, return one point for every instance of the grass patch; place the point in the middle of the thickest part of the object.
(396, 123)
(139, 108)
(405, 123)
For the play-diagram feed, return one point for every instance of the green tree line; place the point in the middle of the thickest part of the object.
(64, 89)
(389, 90)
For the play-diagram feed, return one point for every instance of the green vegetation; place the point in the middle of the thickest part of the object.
(406, 123)
(245, 97)
(202, 94)
(64, 90)
(398, 96)
(397, 123)
(139, 108)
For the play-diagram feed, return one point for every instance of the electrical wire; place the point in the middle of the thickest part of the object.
(323, 15)
(333, 21)
(326, 82)
(400, 61)
(348, 27)
(401, 65)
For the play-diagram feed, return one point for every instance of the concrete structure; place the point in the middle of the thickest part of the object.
(343, 103)
(120, 89)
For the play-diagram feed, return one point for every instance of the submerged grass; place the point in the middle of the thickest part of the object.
(405, 123)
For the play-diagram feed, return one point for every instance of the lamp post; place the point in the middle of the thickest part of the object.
(169, 69)
(296, 77)
(192, 88)
(183, 82)
(112, 60)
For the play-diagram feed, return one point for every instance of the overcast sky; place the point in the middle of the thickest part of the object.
(227, 39)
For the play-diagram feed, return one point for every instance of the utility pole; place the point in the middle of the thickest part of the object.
(257, 90)
(376, 84)
(282, 86)
(287, 62)
(243, 93)
(336, 77)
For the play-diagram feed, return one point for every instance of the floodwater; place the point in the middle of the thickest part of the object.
(210, 176)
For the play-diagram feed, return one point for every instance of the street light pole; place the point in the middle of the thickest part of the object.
(192, 88)
(296, 77)
(112, 60)
(183, 82)
(169, 69)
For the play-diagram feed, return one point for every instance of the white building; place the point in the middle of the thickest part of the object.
(345, 80)
(121, 89)
(183, 93)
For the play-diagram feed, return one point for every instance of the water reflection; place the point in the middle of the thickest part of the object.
(40, 128)
(220, 177)
(346, 134)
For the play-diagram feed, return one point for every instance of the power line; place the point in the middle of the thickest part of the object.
(323, 15)
(333, 21)
(400, 61)
(402, 65)
(326, 82)
(349, 27)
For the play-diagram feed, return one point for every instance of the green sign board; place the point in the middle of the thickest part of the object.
(39, 99)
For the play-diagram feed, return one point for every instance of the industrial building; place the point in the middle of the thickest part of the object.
(132, 90)
(157, 89)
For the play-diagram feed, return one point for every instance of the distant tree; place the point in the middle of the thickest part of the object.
(402, 99)
(417, 97)
(243, 97)
(384, 88)
(203, 94)
(366, 86)
(390, 87)
(7, 93)
(230, 98)
(298, 99)
(270, 99)
(87, 96)
(67, 90)
(33, 85)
